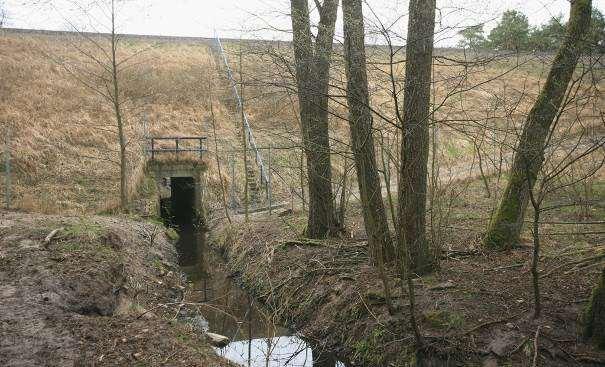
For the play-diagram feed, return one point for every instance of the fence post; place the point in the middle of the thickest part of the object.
(7, 170)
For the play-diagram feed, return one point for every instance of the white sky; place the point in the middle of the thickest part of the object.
(254, 18)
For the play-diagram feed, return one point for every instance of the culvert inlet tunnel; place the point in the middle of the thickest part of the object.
(178, 210)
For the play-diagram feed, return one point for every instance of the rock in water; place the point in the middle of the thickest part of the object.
(217, 340)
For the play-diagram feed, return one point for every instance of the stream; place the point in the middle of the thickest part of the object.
(255, 339)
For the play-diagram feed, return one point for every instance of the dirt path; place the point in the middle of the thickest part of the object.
(91, 295)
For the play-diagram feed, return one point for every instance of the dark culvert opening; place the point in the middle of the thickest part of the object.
(178, 211)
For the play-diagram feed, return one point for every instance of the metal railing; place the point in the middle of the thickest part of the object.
(177, 147)
(264, 178)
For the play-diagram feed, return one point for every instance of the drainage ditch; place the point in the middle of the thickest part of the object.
(255, 339)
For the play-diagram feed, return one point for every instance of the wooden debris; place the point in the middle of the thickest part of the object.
(441, 286)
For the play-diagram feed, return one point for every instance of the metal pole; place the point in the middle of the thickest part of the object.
(269, 181)
(145, 134)
(7, 169)
(232, 191)
(249, 135)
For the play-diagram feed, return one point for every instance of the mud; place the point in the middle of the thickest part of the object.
(98, 293)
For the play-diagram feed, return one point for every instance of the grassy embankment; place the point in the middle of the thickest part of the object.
(64, 142)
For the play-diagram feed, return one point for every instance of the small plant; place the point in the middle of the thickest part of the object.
(84, 229)
(371, 349)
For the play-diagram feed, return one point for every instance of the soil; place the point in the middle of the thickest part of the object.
(476, 310)
(99, 292)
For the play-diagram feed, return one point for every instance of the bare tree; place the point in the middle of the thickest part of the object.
(117, 105)
(415, 142)
(2, 14)
(102, 72)
(506, 225)
(312, 76)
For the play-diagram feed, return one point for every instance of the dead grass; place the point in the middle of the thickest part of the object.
(475, 308)
(63, 138)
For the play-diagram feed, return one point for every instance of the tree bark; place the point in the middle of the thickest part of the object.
(362, 139)
(415, 140)
(312, 76)
(505, 227)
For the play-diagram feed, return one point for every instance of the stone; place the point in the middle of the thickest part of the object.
(217, 340)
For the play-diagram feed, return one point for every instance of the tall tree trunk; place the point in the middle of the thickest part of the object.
(312, 76)
(506, 225)
(362, 140)
(415, 139)
(118, 113)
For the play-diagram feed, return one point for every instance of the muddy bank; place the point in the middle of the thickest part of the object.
(98, 291)
(476, 310)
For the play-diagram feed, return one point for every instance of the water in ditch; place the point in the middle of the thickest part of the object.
(256, 339)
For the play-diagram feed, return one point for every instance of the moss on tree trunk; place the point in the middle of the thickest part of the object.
(506, 225)
(593, 318)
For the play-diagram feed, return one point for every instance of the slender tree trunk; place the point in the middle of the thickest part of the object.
(245, 160)
(118, 114)
(506, 225)
(218, 163)
(362, 139)
(343, 192)
(386, 169)
(415, 139)
(312, 76)
(302, 180)
(534, 263)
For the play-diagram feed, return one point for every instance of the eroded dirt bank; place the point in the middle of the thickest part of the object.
(96, 293)
(475, 311)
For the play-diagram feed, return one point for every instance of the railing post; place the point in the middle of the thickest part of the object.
(152, 148)
(269, 193)
(7, 169)
(176, 152)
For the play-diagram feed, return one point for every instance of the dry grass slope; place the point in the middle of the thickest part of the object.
(64, 142)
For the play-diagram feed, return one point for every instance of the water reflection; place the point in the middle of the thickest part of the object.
(275, 352)
(256, 340)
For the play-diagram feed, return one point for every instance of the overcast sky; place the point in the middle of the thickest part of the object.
(264, 18)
